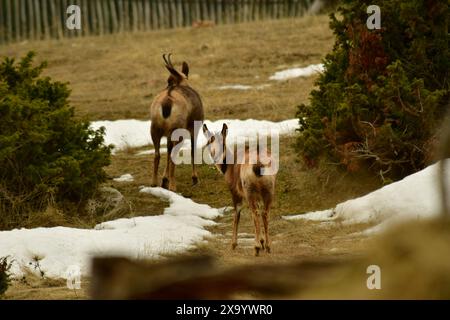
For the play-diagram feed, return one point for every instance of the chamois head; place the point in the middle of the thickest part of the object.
(216, 143)
(176, 78)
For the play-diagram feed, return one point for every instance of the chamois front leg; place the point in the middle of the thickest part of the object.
(256, 221)
(236, 218)
(267, 195)
(194, 169)
(265, 218)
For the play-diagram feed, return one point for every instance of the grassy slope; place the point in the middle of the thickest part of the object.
(116, 77)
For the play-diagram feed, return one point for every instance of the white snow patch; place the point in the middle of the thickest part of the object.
(417, 196)
(125, 133)
(243, 87)
(124, 178)
(314, 216)
(180, 227)
(250, 128)
(186, 147)
(151, 151)
(136, 133)
(297, 72)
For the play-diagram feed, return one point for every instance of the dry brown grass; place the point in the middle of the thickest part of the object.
(116, 76)
(32, 287)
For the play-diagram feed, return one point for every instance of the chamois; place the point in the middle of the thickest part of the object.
(245, 181)
(176, 107)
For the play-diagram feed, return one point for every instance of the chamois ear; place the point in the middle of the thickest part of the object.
(206, 131)
(224, 130)
(185, 69)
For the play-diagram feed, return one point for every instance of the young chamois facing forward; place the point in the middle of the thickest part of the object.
(176, 107)
(253, 182)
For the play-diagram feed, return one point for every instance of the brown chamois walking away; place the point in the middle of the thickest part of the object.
(177, 107)
(245, 181)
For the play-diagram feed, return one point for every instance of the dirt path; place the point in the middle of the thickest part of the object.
(291, 241)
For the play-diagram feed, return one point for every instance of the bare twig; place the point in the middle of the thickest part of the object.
(404, 107)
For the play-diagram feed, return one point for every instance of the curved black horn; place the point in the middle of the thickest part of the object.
(165, 59)
(168, 62)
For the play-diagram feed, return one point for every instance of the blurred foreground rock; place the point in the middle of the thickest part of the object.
(412, 258)
(198, 278)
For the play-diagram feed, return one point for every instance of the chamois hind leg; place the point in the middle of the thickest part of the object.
(172, 183)
(256, 220)
(265, 218)
(156, 138)
(237, 216)
(165, 179)
(194, 169)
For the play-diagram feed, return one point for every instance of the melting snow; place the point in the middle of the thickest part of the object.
(417, 196)
(125, 133)
(136, 133)
(297, 72)
(243, 87)
(58, 249)
(124, 178)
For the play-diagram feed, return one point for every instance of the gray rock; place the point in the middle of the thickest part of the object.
(108, 203)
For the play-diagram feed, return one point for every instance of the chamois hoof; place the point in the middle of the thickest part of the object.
(257, 251)
(194, 180)
(262, 243)
(165, 183)
(267, 249)
(154, 185)
(233, 246)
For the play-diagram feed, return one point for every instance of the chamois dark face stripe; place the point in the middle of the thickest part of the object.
(257, 170)
(223, 167)
(222, 164)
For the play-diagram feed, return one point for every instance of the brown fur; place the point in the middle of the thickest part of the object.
(245, 181)
(176, 107)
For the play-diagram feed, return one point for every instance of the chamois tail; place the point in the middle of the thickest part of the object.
(166, 107)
